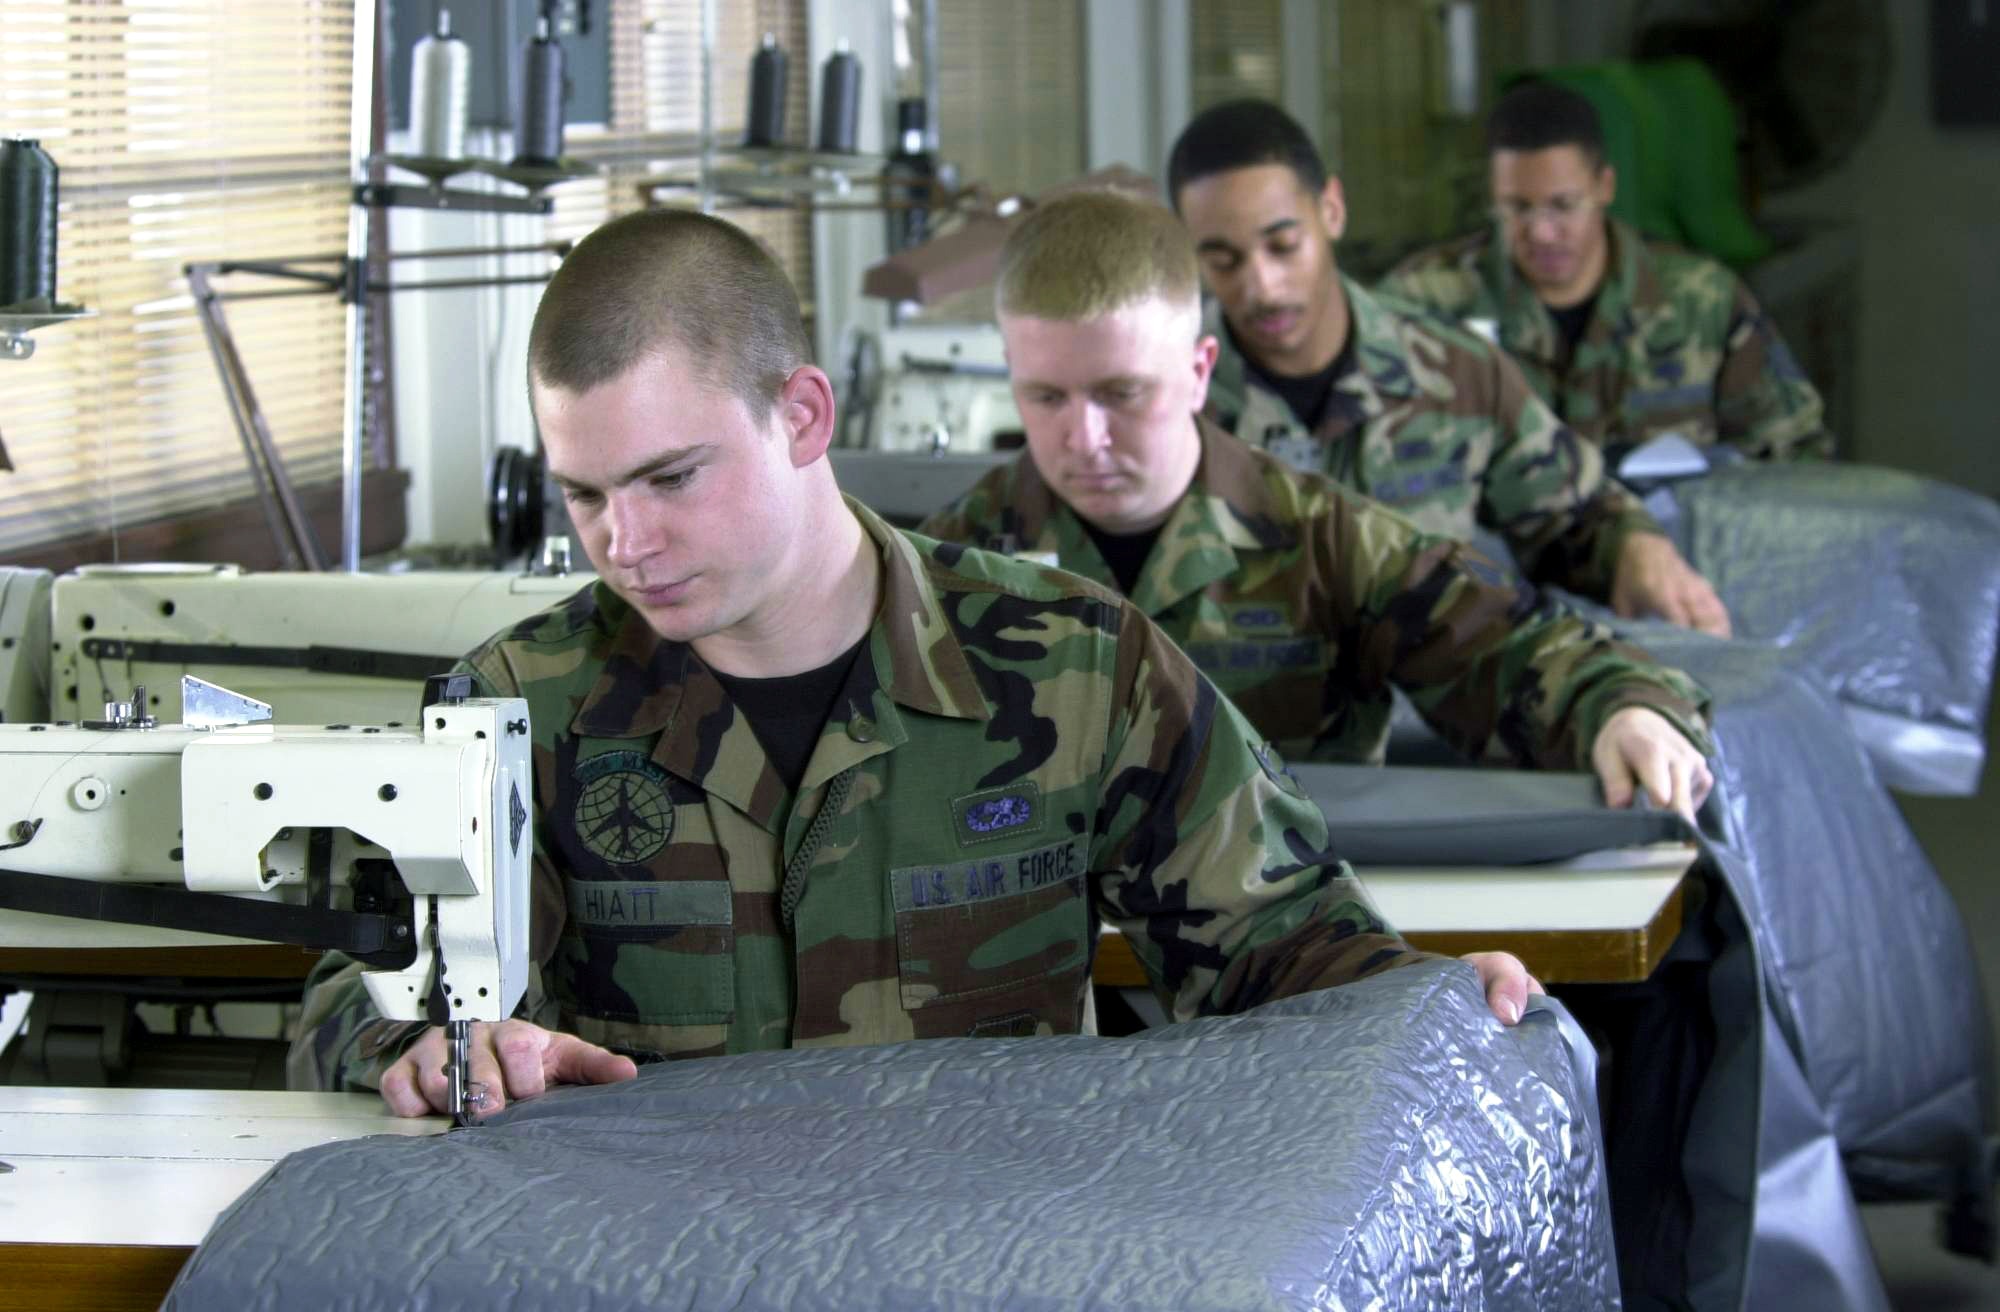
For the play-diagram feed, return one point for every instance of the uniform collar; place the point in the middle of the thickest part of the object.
(913, 660)
(1381, 357)
(1630, 293)
(1198, 543)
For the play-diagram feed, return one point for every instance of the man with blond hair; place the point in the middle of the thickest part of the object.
(804, 780)
(1304, 602)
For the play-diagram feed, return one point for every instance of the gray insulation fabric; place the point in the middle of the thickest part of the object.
(1858, 1059)
(1853, 1056)
(1883, 586)
(1867, 963)
(1385, 1145)
(1421, 817)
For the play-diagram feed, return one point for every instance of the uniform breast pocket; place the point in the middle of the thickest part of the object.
(994, 943)
(1675, 393)
(652, 952)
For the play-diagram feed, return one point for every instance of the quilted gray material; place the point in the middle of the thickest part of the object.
(1883, 586)
(1385, 1145)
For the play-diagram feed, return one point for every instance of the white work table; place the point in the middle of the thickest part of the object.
(1604, 917)
(111, 1189)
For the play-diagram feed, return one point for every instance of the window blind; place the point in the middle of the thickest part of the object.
(1010, 91)
(185, 130)
(1236, 48)
(656, 113)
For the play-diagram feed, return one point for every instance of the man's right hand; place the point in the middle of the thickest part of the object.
(513, 1059)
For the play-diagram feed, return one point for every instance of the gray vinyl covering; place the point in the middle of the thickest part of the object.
(1697, 1129)
(1386, 1145)
(1865, 599)
(1868, 964)
(1881, 585)
(1858, 1060)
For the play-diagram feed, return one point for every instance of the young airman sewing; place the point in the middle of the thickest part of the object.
(802, 779)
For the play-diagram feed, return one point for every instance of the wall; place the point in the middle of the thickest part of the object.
(1927, 200)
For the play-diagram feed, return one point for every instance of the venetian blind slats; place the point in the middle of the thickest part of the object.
(186, 130)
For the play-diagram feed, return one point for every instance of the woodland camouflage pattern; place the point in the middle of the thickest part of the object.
(1440, 425)
(1305, 603)
(1018, 756)
(1675, 344)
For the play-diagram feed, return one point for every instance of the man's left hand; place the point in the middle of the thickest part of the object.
(1640, 748)
(1652, 579)
(1506, 983)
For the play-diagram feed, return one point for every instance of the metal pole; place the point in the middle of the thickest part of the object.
(360, 142)
(290, 529)
(931, 104)
(707, 105)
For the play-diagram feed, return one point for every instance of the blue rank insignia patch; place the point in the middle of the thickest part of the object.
(995, 813)
(622, 811)
(1261, 618)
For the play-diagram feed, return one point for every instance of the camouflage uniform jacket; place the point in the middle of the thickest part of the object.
(1305, 603)
(1442, 426)
(1675, 344)
(1017, 757)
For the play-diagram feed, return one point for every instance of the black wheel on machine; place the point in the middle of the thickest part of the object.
(514, 503)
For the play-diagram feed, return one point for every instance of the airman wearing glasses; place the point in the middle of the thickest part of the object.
(1409, 409)
(1626, 339)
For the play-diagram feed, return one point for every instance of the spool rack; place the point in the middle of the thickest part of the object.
(18, 321)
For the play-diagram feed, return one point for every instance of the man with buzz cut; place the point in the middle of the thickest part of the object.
(802, 779)
(1387, 399)
(1626, 339)
(1304, 601)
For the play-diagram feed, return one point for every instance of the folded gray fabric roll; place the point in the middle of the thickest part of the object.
(1386, 1145)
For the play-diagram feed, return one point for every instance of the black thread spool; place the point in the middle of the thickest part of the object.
(27, 223)
(840, 102)
(538, 128)
(767, 95)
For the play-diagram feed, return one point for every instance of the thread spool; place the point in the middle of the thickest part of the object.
(538, 127)
(440, 92)
(840, 101)
(27, 223)
(767, 95)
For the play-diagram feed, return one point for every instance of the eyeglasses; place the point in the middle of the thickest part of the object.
(1561, 210)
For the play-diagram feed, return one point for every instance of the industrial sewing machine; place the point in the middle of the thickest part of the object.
(406, 848)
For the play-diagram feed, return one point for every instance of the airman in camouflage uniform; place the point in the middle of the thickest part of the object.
(1303, 601)
(1017, 757)
(1439, 425)
(1306, 603)
(1418, 414)
(1013, 756)
(1670, 341)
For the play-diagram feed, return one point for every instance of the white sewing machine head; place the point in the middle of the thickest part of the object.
(406, 846)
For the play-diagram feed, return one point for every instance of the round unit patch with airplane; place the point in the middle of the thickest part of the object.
(622, 811)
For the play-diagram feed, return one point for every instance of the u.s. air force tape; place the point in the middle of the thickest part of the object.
(987, 878)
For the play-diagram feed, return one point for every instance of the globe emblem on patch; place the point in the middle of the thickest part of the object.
(622, 812)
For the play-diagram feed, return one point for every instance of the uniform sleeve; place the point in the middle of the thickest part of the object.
(980, 516)
(1487, 664)
(952, 524)
(1547, 493)
(1763, 401)
(1427, 282)
(343, 1044)
(1208, 855)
